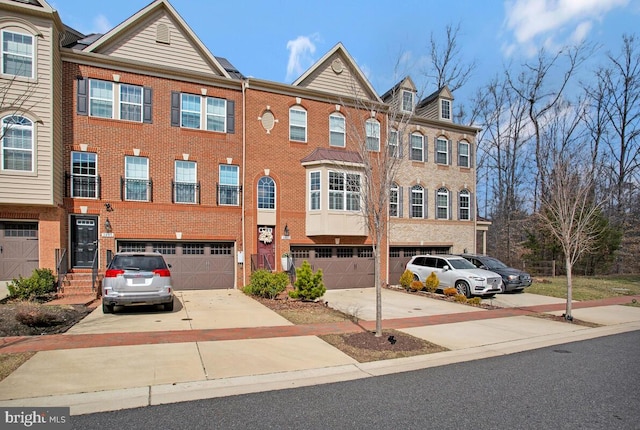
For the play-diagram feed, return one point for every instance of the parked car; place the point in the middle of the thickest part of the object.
(455, 271)
(137, 278)
(512, 279)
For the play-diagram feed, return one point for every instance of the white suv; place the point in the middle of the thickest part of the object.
(457, 272)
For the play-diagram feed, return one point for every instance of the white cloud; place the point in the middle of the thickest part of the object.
(554, 22)
(301, 52)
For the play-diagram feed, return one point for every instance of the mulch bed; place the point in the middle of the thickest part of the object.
(23, 318)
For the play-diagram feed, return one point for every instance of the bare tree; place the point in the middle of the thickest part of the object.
(447, 68)
(16, 97)
(569, 211)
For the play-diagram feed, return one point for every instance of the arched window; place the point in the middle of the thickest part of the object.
(442, 203)
(337, 134)
(464, 205)
(17, 143)
(417, 202)
(266, 193)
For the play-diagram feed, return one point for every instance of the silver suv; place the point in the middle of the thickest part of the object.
(457, 272)
(137, 278)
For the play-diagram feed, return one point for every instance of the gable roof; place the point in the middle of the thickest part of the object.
(440, 92)
(311, 78)
(406, 82)
(119, 34)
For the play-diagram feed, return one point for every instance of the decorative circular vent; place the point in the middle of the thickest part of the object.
(337, 66)
(268, 120)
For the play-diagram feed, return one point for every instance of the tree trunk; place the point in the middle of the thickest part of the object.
(378, 282)
(567, 314)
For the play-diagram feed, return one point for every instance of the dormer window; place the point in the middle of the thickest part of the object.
(407, 101)
(445, 109)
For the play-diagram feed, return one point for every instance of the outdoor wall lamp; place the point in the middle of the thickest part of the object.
(108, 207)
(107, 226)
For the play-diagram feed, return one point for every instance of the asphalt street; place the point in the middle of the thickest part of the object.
(593, 384)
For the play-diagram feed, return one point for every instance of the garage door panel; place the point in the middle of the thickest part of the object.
(18, 250)
(342, 267)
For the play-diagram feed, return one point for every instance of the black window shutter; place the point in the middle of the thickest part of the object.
(472, 206)
(450, 154)
(82, 108)
(459, 207)
(471, 156)
(400, 192)
(175, 109)
(231, 116)
(147, 104)
(450, 201)
(426, 204)
(459, 152)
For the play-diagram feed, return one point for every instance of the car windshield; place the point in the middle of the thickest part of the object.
(492, 263)
(138, 262)
(461, 263)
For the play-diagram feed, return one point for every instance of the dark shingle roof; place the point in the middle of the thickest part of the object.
(230, 68)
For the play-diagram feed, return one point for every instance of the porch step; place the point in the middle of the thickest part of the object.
(79, 284)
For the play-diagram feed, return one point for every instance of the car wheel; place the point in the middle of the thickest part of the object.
(168, 306)
(415, 277)
(107, 309)
(463, 288)
(503, 288)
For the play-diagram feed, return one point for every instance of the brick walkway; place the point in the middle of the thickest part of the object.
(73, 341)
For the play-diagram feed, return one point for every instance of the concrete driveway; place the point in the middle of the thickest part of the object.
(193, 310)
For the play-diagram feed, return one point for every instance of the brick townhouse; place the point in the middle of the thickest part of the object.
(150, 142)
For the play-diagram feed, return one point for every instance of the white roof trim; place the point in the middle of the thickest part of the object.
(152, 7)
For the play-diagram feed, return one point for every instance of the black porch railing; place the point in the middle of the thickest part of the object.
(79, 186)
(139, 190)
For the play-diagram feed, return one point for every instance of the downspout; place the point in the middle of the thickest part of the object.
(245, 85)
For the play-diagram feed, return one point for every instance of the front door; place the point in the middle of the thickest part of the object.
(266, 250)
(84, 240)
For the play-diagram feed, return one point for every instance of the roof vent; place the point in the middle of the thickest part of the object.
(162, 34)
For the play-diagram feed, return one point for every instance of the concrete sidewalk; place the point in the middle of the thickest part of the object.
(219, 343)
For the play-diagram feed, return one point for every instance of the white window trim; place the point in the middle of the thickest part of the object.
(468, 154)
(116, 100)
(215, 115)
(312, 191)
(467, 194)
(376, 129)
(237, 185)
(306, 122)
(195, 181)
(411, 146)
(422, 192)
(446, 207)
(126, 177)
(341, 131)
(412, 102)
(84, 176)
(203, 113)
(449, 104)
(32, 150)
(121, 102)
(274, 195)
(344, 192)
(34, 50)
(445, 152)
(394, 189)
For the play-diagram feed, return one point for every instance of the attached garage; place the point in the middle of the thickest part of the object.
(194, 265)
(18, 249)
(342, 266)
(400, 256)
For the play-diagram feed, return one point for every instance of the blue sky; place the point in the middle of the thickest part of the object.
(279, 40)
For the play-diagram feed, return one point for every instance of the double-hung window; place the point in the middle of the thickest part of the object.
(445, 109)
(185, 186)
(394, 200)
(190, 111)
(84, 175)
(407, 101)
(463, 154)
(216, 114)
(337, 130)
(116, 100)
(417, 147)
(344, 191)
(229, 187)
(314, 191)
(17, 54)
(417, 201)
(203, 113)
(298, 124)
(442, 203)
(266, 193)
(136, 176)
(373, 135)
(464, 205)
(17, 143)
(394, 147)
(442, 151)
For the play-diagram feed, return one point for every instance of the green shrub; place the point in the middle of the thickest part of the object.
(265, 284)
(308, 285)
(40, 283)
(460, 298)
(474, 301)
(416, 286)
(450, 291)
(432, 282)
(406, 279)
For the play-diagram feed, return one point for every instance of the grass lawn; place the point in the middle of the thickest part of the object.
(588, 288)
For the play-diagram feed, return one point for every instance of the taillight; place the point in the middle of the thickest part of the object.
(162, 272)
(112, 273)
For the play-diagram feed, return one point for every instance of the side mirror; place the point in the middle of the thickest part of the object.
(445, 268)
(482, 266)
